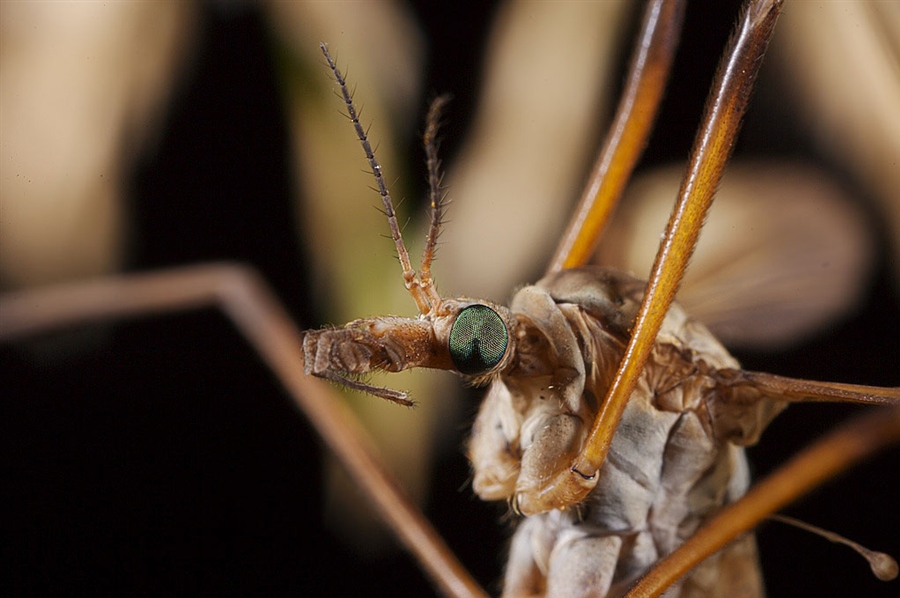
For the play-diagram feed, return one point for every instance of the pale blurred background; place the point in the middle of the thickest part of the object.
(160, 456)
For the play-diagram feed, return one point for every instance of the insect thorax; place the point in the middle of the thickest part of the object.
(676, 456)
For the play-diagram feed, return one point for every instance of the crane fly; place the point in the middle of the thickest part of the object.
(94, 501)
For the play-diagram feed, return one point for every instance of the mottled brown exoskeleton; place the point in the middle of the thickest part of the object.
(613, 421)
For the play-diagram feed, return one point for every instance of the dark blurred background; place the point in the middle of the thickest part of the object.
(165, 459)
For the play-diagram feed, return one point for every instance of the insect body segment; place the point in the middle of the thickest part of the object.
(675, 459)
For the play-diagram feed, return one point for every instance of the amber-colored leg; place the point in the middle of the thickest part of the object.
(721, 121)
(793, 390)
(648, 73)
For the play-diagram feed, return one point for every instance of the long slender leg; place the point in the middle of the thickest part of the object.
(721, 121)
(248, 302)
(628, 135)
(811, 391)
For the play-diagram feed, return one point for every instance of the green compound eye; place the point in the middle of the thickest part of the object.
(478, 340)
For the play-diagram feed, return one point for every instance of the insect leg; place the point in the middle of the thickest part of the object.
(721, 121)
(628, 135)
(248, 302)
(810, 391)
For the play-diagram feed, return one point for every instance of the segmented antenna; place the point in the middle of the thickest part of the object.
(422, 291)
(436, 197)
